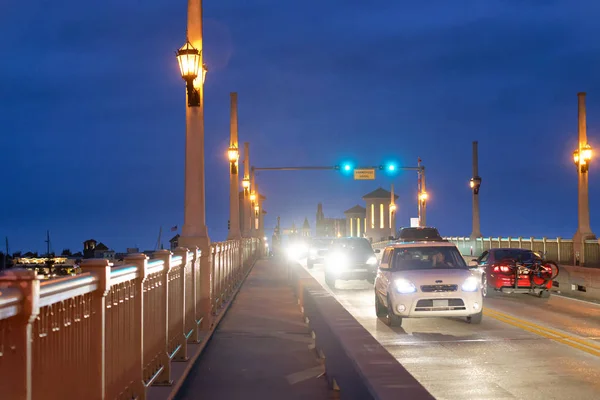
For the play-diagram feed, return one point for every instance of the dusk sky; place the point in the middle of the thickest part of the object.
(92, 112)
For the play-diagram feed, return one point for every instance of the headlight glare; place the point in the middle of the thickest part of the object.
(471, 284)
(372, 260)
(404, 286)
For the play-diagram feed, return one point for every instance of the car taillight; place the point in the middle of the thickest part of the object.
(502, 269)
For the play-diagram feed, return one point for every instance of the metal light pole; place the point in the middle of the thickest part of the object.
(475, 184)
(582, 158)
(422, 195)
(234, 155)
(194, 232)
(253, 203)
(246, 214)
(392, 212)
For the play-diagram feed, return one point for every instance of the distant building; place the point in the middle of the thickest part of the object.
(174, 242)
(305, 228)
(93, 249)
(378, 220)
(356, 221)
(329, 227)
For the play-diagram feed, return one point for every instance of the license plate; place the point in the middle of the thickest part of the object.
(440, 303)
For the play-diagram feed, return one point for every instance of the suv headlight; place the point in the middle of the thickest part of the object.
(372, 260)
(405, 286)
(471, 284)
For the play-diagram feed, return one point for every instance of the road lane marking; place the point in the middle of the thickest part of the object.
(302, 376)
(569, 340)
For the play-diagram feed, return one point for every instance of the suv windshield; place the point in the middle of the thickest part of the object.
(320, 243)
(430, 257)
(410, 234)
(354, 244)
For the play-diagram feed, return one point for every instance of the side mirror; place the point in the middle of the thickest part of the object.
(377, 251)
(473, 263)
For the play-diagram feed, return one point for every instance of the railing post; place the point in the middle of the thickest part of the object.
(21, 382)
(190, 318)
(140, 260)
(558, 250)
(164, 379)
(101, 268)
(207, 287)
(185, 260)
(544, 240)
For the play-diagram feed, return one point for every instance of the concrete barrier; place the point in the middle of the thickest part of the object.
(355, 362)
(581, 282)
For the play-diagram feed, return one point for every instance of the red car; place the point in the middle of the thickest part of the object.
(515, 271)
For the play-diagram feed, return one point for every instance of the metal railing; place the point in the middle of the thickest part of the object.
(111, 332)
(557, 249)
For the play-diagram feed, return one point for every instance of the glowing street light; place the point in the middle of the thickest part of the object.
(233, 154)
(423, 196)
(188, 58)
(582, 159)
(246, 185)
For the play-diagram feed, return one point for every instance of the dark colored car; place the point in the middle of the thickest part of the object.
(515, 271)
(416, 234)
(349, 259)
(317, 250)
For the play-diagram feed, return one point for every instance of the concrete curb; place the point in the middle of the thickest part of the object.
(354, 361)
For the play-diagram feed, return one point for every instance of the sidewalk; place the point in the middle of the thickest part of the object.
(261, 348)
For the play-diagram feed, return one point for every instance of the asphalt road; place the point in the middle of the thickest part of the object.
(525, 348)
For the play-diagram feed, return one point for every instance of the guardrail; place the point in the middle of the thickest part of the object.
(558, 249)
(111, 332)
(355, 363)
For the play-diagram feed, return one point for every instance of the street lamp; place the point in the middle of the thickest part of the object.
(475, 183)
(253, 197)
(582, 159)
(246, 185)
(233, 155)
(256, 209)
(392, 207)
(189, 65)
(423, 196)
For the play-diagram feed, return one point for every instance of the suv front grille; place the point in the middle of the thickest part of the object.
(439, 288)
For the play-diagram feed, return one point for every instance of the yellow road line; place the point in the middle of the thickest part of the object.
(570, 340)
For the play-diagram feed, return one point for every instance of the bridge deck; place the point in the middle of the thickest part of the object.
(261, 349)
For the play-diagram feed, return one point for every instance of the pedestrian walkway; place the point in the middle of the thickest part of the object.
(262, 348)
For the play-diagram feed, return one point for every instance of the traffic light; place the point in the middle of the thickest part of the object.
(345, 167)
(390, 168)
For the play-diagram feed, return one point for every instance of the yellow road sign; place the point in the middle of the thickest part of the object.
(364, 174)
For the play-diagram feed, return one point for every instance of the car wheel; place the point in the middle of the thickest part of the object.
(310, 264)
(380, 309)
(544, 294)
(392, 319)
(330, 280)
(475, 318)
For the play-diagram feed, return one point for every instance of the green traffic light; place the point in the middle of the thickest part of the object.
(391, 167)
(347, 167)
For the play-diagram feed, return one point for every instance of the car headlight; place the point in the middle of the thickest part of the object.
(404, 286)
(471, 284)
(372, 260)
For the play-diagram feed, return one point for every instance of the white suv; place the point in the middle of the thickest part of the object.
(426, 279)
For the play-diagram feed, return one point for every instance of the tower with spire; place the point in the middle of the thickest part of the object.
(305, 228)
